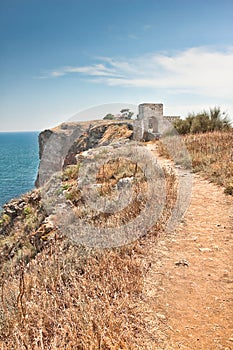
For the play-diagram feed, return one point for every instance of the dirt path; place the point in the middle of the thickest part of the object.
(190, 282)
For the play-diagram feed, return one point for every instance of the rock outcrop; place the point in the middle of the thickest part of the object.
(98, 135)
(26, 226)
(58, 146)
(53, 147)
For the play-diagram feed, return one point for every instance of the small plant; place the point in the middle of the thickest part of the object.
(31, 219)
(27, 210)
(71, 172)
(229, 190)
(73, 195)
(65, 187)
(5, 219)
(62, 189)
(31, 222)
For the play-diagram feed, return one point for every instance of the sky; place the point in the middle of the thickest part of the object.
(61, 57)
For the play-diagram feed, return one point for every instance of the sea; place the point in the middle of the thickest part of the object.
(19, 160)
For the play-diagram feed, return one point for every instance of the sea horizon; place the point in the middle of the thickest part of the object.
(19, 131)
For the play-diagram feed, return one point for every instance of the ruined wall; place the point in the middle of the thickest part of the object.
(171, 118)
(152, 116)
(138, 127)
(147, 110)
(151, 121)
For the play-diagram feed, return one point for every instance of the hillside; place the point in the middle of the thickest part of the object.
(212, 156)
(159, 290)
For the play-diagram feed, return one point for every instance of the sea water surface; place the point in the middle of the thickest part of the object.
(19, 160)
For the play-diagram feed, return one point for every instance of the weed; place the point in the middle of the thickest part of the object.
(71, 172)
(5, 219)
(229, 190)
(27, 210)
(211, 154)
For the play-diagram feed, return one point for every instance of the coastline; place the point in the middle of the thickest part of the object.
(19, 161)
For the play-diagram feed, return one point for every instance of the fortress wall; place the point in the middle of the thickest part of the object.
(171, 118)
(151, 120)
(147, 110)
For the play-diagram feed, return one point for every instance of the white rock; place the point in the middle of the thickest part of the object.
(205, 250)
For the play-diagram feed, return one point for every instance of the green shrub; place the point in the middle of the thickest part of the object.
(27, 210)
(202, 122)
(31, 222)
(5, 219)
(109, 116)
(62, 189)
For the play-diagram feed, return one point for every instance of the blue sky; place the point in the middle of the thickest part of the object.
(59, 57)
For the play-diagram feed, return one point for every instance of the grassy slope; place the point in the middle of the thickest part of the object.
(70, 297)
(212, 156)
(56, 294)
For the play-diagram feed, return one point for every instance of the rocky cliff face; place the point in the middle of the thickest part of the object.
(96, 136)
(58, 146)
(25, 225)
(53, 147)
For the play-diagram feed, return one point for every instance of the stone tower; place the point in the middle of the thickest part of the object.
(152, 114)
(151, 122)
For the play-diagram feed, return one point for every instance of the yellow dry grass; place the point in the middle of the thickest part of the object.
(71, 297)
(212, 155)
(116, 132)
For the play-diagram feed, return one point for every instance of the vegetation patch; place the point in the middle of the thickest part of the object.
(206, 121)
(211, 154)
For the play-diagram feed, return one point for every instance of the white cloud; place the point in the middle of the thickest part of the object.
(94, 70)
(57, 74)
(200, 71)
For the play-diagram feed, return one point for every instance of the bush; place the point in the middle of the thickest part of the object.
(214, 120)
(109, 116)
(27, 210)
(71, 172)
(184, 126)
(5, 219)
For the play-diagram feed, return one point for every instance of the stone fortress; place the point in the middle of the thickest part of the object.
(151, 122)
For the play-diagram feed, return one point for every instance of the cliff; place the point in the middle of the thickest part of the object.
(26, 225)
(60, 145)
(55, 291)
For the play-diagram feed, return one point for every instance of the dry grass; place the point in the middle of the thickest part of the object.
(107, 179)
(116, 132)
(71, 297)
(212, 155)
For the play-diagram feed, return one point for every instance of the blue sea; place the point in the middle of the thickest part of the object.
(19, 160)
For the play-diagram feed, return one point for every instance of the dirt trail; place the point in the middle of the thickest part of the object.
(190, 281)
